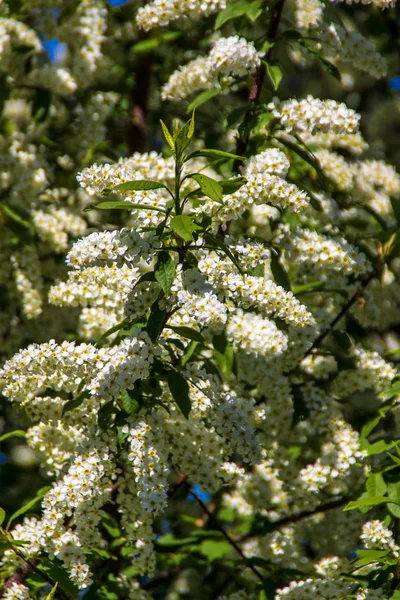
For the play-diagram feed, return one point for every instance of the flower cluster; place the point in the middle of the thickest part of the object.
(230, 57)
(160, 12)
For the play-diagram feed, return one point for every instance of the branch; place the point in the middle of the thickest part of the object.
(344, 310)
(226, 535)
(258, 81)
(303, 515)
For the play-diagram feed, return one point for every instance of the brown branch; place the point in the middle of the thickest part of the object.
(302, 515)
(23, 572)
(344, 310)
(258, 82)
(226, 535)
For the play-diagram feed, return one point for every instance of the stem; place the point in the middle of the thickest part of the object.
(222, 530)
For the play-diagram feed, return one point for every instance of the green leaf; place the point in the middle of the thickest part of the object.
(170, 540)
(50, 596)
(156, 321)
(393, 390)
(167, 135)
(138, 185)
(28, 505)
(301, 150)
(74, 403)
(164, 271)
(365, 557)
(110, 525)
(202, 98)
(121, 205)
(183, 136)
(129, 402)
(274, 73)
(216, 241)
(279, 273)
(10, 434)
(230, 186)
(210, 187)
(105, 413)
(179, 388)
(213, 550)
(314, 286)
(188, 332)
(370, 501)
(184, 226)
(239, 9)
(145, 46)
(211, 153)
(376, 485)
(224, 354)
(2, 515)
(394, 494)
(60, 575)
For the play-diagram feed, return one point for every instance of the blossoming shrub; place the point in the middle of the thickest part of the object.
(216, 416)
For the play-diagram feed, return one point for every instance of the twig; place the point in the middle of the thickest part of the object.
(344, 310)
(226, 535)
(25, 571)
(258, 81)
(303, 515)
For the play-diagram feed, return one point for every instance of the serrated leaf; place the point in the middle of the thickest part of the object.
(184, 226)
(138, 185)
(179, 389)
(129, 402)
(274, 73)
(370, 501)
(60, 575)
(10, 434)
(164, 271)
(393, 390)
(213, 550)
(105, 413)
(74, 403)
(212, 153)
(279, 273)
(122, 205)
(156, 321)
(110, 525)
(167, 135)
(230, 186)
(224, 354)
(298, 290)
(218, 243)
(376, 485)
(28, 505)
(183, 137)
(170, 540)
(210, 187)
(393, 491)
(145, 46)
(365, 557)
(202, 98)
(232, 11)
(188, 332)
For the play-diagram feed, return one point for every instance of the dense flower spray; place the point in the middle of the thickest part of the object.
(231, 305)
